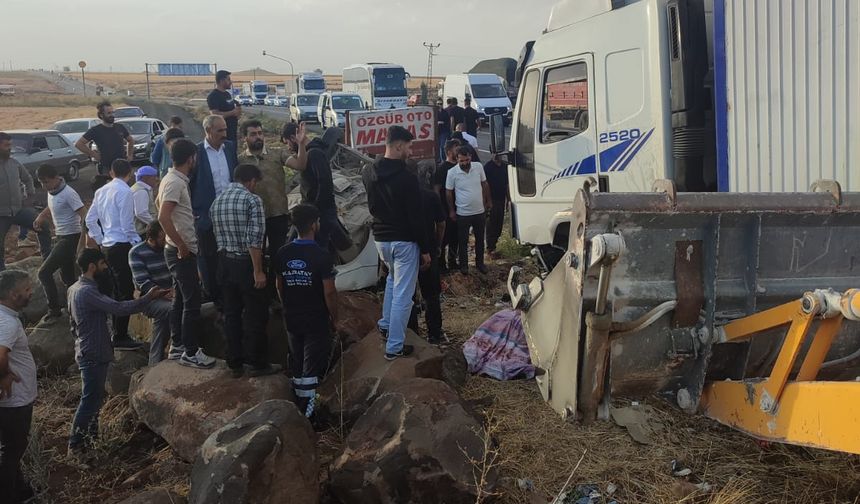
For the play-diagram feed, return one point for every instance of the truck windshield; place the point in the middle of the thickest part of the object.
(261, 88)
(488, 91)
(346, 102)
(307, 100)
(314, 84)
(389, 82)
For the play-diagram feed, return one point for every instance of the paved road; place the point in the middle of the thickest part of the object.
(283, 114)
(70, 85)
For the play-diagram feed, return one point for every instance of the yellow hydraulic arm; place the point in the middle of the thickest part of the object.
(822, 414)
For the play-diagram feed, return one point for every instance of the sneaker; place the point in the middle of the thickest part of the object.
(404, 352)
(175, 352)
(268, 369)
(309, 410)
(383, 333)
(126, 344)
(81, 456)
(199, 360)
(27, 242)
(483, 269)
(464, 270)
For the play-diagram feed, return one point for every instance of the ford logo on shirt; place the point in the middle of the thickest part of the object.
(297, 264)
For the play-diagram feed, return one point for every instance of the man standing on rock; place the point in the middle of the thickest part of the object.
(273, 192)
(13, 207)
(468, 200)
(109, 139)
(240, 227)
(450, 241)
(216, 160)
(307, 290)
(88, 312)
(394, 200)
(221, 103)
(110, 224)
(150, 270)
(176, 217)
(17, 385)
(429, 280)
(66, 210)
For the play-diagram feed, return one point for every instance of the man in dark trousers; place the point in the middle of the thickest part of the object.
(216, 160)
(394, 200)
(450, 240)
(468, 200)
(221, 103)
(496, 172)
(109, 138)
(18, 387)
(306, 287)
(429, 279)
(443, 122)
(240, 226)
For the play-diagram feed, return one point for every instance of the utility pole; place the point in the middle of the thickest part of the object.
(148, 93)
(431, 51)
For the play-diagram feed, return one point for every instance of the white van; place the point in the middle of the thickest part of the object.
(332, 108)
(487, 91)
(303, 107)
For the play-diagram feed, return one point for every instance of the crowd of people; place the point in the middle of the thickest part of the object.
(211, 221)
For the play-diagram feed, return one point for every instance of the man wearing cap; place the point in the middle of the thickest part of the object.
(220, 102)
(143, 196)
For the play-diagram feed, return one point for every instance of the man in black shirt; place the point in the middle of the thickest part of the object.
(496, 171)
(450, 239)
(306, 287)
(429, 280)
(443, 121)
(220, 102)
(109, 139)
(471, 118)
(455, 112)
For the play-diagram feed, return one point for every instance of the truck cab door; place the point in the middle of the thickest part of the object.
(555, 144)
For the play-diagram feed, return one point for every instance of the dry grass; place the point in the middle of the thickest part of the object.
(40, 117)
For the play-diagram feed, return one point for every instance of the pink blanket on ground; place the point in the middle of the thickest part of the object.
(498, 348)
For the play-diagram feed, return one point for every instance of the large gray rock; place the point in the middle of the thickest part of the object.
(362, 374)
(414, 445)
(124, 365)
(38, 305)
(53, 346)
(267, 455)
(155, 496)
(184, 405)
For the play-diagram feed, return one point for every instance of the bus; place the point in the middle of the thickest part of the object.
(380, 85)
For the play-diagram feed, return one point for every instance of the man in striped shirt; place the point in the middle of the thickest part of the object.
(238, 221)
(149, 269)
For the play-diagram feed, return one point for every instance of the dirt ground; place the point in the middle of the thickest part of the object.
(40, 117)
(27, 83)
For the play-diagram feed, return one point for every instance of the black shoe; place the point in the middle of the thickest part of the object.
(383, 333)
(404, 352)
(126, 344)
(464, 270)
(237, 372)
(268, 369)
(483, 269)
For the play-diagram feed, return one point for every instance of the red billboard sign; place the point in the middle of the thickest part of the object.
(367, 130)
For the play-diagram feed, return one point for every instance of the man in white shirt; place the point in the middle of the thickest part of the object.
(17, 385)
(466, 185)
(143, 196)
(461, 128)
(110, 225)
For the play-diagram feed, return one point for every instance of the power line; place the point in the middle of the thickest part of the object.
(431, 51)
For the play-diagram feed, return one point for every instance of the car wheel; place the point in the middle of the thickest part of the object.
(74, 171)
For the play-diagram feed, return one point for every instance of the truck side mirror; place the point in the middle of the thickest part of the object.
(497, 134)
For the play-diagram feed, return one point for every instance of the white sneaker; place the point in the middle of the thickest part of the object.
(175, 352)
(198, 360)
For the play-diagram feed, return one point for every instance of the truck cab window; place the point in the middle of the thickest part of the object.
(565, 103)
(525, 142)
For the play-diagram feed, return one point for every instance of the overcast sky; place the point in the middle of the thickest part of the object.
(121, 35)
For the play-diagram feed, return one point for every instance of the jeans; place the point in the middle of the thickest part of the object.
(402, 260)
(207, 262)
(164, 326)
(62, 258)
(117, 259)
(85, 426)
(14, 436)
(185, 310)
(25, 218)
(430, 285)
(443, 139)
(478, 224)
(495, 223)
(246, 313)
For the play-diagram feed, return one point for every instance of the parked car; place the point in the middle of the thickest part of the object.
(245, 100)
(282, 101)
(126, 112)
(73, 129)
(303, 107)
(144, 131)
(270, 100)
(33, 148)
(332, 108)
